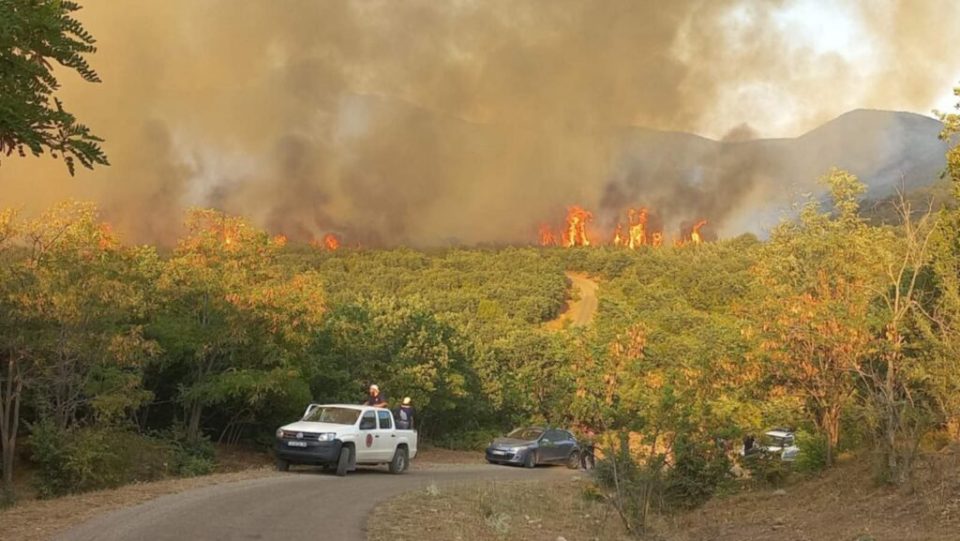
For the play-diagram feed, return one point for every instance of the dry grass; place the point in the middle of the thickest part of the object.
(427, 454)
(526, 510)
(843, 504)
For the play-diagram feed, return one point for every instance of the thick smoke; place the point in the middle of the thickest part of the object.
(427, 123)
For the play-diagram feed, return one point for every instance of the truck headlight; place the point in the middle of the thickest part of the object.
(279, 433)
(326, 436)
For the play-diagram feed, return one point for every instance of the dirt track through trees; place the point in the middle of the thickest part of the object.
(583, 308)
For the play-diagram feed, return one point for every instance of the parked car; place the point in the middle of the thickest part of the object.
(535, 445)
(779, 441)
(341, 436)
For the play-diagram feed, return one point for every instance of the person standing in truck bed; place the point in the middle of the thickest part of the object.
(375, 398)
(405, 414)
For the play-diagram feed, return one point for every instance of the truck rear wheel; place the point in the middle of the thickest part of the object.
(400, 460)
(343, 463)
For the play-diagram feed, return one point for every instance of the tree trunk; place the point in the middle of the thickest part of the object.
(193, 426)
(9, 422)
(830, 424)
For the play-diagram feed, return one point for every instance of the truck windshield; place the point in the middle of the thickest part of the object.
(337, 416)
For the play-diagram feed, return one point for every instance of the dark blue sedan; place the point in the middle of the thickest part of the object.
(534, 445)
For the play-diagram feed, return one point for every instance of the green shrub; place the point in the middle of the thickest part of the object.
(83, 459)
(194, 466)
(767, 468)
(192, 458)
(697, 472)
(813, 452)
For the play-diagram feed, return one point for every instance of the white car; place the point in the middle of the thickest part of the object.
(342, 436)
(779, 441)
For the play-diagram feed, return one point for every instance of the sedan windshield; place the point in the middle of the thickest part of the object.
(337, 416)
(525, 434)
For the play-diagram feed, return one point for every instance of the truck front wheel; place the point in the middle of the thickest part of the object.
(343, 463)
(400, 460)
(283, 465)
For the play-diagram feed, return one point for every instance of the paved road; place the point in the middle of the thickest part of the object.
(303, 504)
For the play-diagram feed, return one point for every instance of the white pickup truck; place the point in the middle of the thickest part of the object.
(342, 436)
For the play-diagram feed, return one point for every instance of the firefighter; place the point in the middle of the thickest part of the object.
(405, 414)
(375, 398)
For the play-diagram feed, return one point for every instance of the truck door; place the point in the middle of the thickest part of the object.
(366, 450)
(385, 440)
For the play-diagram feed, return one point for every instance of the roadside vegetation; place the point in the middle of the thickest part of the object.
(123, 363)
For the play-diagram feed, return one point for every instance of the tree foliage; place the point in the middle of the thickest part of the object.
(33, 35)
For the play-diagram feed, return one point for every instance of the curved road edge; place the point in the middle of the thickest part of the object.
(285, 506)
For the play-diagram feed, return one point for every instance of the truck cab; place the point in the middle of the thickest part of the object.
(343, 436)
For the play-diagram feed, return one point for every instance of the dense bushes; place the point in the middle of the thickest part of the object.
(90, 458)
(699, 469)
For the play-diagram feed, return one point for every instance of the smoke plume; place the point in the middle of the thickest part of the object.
(428, 123)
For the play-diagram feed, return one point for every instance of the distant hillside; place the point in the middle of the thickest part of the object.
(431, 178)
(750, 184)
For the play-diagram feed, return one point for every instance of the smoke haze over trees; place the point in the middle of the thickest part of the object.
(428, 123)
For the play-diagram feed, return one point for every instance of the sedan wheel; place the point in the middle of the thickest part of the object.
(573, 461)
(530, 461)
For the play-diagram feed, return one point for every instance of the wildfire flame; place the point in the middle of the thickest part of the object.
(331, 242)
(576, 233)
(328, 242)
(638, 228)
(657, 239)
(547, 238)
(618, 236)
(695, 232)
(637, 234)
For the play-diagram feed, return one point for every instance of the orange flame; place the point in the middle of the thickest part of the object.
(547, 238)
(657, 239)
(331, 242)
(695, 232)
(576, 233)
(638, 228)
(632, 235)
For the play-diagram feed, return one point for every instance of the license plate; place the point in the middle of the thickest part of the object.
(296, 444)
(495, 452)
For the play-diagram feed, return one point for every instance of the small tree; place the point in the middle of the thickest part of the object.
(817, 277)
(71, 303)
(34, 33)
(230, 317)
(895, 376)
(945, 255)
(12, 369)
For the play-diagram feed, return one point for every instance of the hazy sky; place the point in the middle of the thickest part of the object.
(416, 121)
